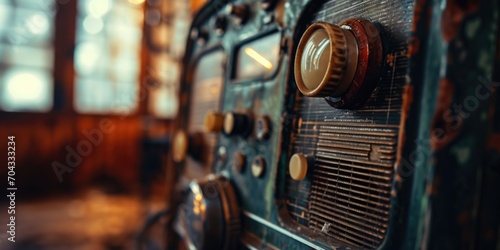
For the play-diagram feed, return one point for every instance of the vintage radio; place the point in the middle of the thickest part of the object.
(334, 124)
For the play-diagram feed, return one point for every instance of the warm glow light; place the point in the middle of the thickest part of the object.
(214, 89)
(87, 55)
(259, 58)
(198, 197)
(38, 24)
(137, 2)
(25, 89)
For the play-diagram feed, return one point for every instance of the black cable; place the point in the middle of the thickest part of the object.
(141, 236)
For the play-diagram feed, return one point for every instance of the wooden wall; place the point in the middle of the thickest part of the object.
(43, 138)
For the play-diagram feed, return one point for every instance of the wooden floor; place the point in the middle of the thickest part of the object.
(92, 220)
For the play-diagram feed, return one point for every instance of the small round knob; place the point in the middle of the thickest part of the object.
(184, 144)
(262, 128)
(235, 123)
(258, 166)
(201, 36)
(180, 145)
(268, 4)
(220, 24)
(211, 214)
(240, 11)
(238, 163)
(213, 121)
(326, 60)
(298, 167)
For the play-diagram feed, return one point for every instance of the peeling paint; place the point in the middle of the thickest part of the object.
(472, 28)
(494, 142)
(453, 15)
(462, 154)
(413, 47)
(448, 130)
(405, 110)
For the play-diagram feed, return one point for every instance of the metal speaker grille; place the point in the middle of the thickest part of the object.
(346, 194)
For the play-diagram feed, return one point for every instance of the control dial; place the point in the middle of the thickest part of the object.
(340, 62)
(211, 214)
(237, 124)
(262, 128)
(185, 144)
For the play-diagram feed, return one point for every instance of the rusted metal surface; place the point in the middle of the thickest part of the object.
(444, 131)
(489, 217)
(451, 72)
(454, 14)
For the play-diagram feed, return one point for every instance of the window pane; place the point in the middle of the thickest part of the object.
(26, 89)
(17, 55)
(107, 60)
(26, 55)
(100, 97)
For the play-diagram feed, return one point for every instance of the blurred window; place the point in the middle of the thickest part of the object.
(107, 56)
(26, 55)
(167, 27)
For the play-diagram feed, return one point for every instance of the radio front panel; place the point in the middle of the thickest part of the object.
(294, 128)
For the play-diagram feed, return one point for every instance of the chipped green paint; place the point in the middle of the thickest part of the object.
(453, 171)
(472, 27)
(462, 151)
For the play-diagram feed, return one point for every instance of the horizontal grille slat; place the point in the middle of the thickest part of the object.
(356, 206)
(338, 137)
(348, 236)
(378, 222)
(347, 222)
(361, 167)
(339, 157)
(336, 177)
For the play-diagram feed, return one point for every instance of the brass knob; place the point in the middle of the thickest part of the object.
(213, 121)
(258, 166)
(180, 146)
(298, 167)
(326, 60)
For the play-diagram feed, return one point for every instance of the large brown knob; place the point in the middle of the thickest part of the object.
(326, 60)
(340, 62)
